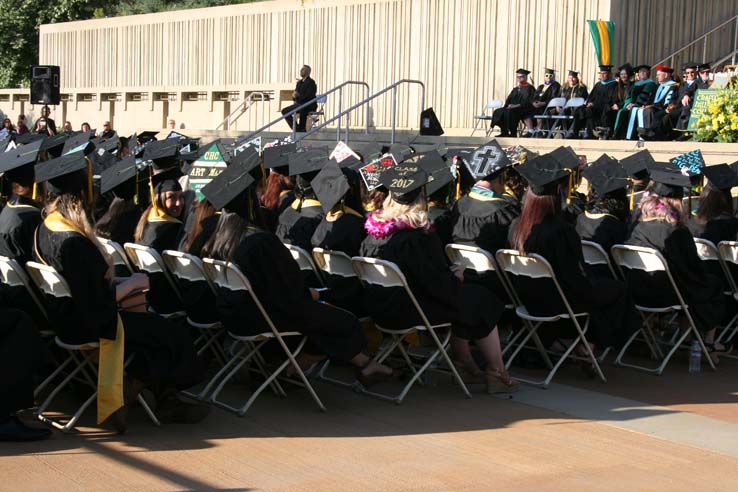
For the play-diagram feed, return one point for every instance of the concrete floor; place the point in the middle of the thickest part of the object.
(638, 432)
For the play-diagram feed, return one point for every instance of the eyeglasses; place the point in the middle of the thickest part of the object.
(548, 75)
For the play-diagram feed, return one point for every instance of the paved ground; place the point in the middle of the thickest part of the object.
(638, 432)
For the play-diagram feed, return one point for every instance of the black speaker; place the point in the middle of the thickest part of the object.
(45, 85)
(429, 124)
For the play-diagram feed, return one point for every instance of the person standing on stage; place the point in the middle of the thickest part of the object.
(305, 90)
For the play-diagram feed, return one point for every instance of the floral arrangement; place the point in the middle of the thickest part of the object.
(720, 122)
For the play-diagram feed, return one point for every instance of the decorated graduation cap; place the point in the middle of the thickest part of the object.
(405, 181)
(121, 179)
(605, 175)
(330, 186)
(486, 161)
(163, 154)
(307, 162)
(69, 173)
(373, 171)
(522, 71)
(344, 156)
(692, 161)
(79, 142)
(17, 164)
(669, 183)
(639, 164)
(278, 156)
(543, 174)
(721, 176)
(227, 189)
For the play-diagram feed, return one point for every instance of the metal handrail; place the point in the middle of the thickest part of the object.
(391, 87)
(304, 105)
(703, 38)
(249, 99)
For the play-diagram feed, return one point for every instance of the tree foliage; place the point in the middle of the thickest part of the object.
(20, 21)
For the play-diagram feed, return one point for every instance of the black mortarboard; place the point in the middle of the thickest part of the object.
(147, 136)
(703, 66)
(4, 142)
(522, 71)
(543, 174)
(79, 142)
(574, 73)
(106, 144)
(118, 175)
(65, 174)
(250, 159)
(604, 68)
(605, 175)
(692, 161)
(638, 68)
(369, 151)
(54, 144)
(18, 163)
(565, 157)
(669, 184)
(439, 179)
(627, 67)
(486, 160)
(278, 155)
(228, 186)
(405, 182)
(721, 176)
(549, 70)
(307, 161)
(688, 65)
(162, 153)
(400, 152)
(638, 163)
(29, 137)
(330, 185)
(167, 180)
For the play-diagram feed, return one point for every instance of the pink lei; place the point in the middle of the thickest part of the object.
(380, 229)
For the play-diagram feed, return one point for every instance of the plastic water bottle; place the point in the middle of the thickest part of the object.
(695, 357)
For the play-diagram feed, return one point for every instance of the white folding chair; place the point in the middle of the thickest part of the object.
(565, 120)
(313, 117)
(629, 258)
(486, 115)
(728, 252)
(534, 266)
(118, 254)
(548, 115)
(305, 261)
(189, 268)
(148, 260)
(595, 255)
(386, 274)
(482, 261)
(228, 276)
(82, 356)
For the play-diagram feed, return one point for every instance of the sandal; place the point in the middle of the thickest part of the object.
(470, 373)
(500, 382)
(725, 350)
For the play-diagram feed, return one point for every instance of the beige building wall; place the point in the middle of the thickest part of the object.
(465, 51)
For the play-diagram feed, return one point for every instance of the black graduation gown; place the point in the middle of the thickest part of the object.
(544, 94)
(680, 117)
(574, 208)
(345, 234)
(605, 230)
(198, 299)
(508, 118)
(579, 90)
(278, 284)
(164, 351)
(18, 220)
(602, 97)
(162, 235)
(613, 316)
(472, 309)
(21, 355)
(701, 290)
(441, 219)
(297, 227)
(125, 227)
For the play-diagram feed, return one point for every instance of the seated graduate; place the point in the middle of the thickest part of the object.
(567, 160)
(21, 352)
(545, 92)
(640, 94)
(655, 123)
(297, 223)
(637, 166)
(661, 226)
(342, 229)
(160, 226)
(119, 222)
(625, 76)
(22, 213)
(400, 233)
(606, 216)
(714, 220)
(278, 283)
(541, 229)
(440, 195)
(679, 118)
(279, 190)
(599, 108)
(165, 357)
(518, 106)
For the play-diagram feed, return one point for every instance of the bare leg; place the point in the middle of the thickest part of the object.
(369, 366)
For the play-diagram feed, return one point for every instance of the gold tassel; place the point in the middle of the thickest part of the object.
(35, 191)
(135, 196)
(90, 197)
(632, 193)
(458, 184)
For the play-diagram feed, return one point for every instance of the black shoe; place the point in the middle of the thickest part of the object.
(177, 411)
(15, 430)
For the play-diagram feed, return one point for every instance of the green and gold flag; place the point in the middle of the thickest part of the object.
(603, 37)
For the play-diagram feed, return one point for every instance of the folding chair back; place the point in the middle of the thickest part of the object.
(186, 267)
(491, 106)
(334, 262)
(117, 252)
(595, 255)
(532, 266)
(12, 275)
(378, 272)
(304, 261)
(556, 102)
(728, 251)
(48, 280)
(574, 103)
(707, 251)
(479, 260)
(148, 260)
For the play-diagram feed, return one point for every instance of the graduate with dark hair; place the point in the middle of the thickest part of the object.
(119, 222)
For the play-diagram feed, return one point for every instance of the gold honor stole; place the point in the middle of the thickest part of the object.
(110, 353)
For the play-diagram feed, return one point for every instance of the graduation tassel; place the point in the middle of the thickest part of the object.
(34, 195)
(135, 196)
(632, 193)
(571, 185)
(154, 206)
(90, 197)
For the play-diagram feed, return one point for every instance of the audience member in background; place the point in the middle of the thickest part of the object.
(641, 94)
(625, 80)
(171, 124)
(68, 127)
(704, 81)
(7, 128)
(45, 124)
(654, 122)
(85, 127)
(599, 108)
(108, 131)
(518, 105)
(21, 126)
(305, 90)
(545, 92)
(685, 97)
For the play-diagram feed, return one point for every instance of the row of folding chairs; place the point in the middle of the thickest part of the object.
(555, 123)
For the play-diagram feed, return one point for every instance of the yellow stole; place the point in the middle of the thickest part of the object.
(478, 196)
(590, 215)
(343, 210)
(158, 215)
(110, 354)
(307, 202)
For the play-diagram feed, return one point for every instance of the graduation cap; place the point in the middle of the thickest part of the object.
(721, 176)
(704, 67)
(278, 155)
(17, 164)
(308, 161)
(369, 151)
(522, 71)
(65, 174)
(4, 141)
(250, 159)
(29, 137)
(565, 157)
(692, 161)
(688, 65)
(120, 178)
(225, 190)
(669, 184)
(605, 68)
(54, 144)
(79, 142)
(147, 136)
(638, 68)
(400, 152)
(106, 144)
(486, 160)
(573, 73)
(439, 176)
(627, 67)
(330, 186)
(543, 174)
(638, 164)
(405, 182)
(162, 153)
(549, 71)
(605, 175)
